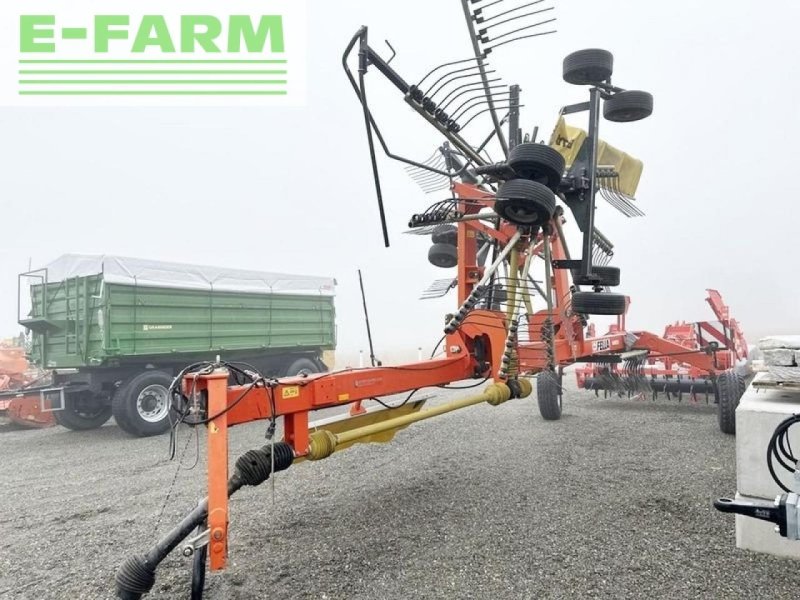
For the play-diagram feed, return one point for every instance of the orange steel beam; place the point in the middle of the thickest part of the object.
(217, 386)
(649, 341)
(294, 397)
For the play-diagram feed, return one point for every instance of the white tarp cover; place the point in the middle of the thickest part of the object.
(153, 273)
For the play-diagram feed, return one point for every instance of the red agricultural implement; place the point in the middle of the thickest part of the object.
(20, 402)
(500, 223)
(690, 358)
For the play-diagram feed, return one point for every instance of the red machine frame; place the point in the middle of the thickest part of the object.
(294, 398)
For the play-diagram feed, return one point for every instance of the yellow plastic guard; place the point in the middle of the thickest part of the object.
(568, 141)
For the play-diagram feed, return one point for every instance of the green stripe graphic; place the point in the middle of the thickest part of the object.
(152, 93)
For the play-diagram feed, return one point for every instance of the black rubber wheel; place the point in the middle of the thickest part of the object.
(729, 390)
(198, 571)
(598, 303)
(588, 67)
(141, 406)
(302, 366)
(443, 255)
(537, 162)
(631, 105)
(548, 395)
(83, 411)
(446, 234)
(525, 202)
(608, 277)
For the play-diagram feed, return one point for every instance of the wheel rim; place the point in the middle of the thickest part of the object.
(522, 214)
(152, 403)
(304, 372)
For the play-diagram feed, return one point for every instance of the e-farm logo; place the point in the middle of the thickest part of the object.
(237, 49)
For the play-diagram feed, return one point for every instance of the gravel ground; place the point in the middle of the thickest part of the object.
(612, 501)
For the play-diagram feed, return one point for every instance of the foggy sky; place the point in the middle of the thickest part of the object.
(291, 189)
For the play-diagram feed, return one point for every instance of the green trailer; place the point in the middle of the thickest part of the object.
(115, 331)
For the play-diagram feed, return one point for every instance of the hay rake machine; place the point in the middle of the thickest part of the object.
(498, 219)
(704, 359)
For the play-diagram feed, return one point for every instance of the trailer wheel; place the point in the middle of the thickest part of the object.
(83, 411)
(141, 406)
(525, 202)
(548, 395)
(607, 276)
(628, 106)
(587, 67)
(729, 390)
(443, 255)
(598, 303)
(302, 366)
(537, 162)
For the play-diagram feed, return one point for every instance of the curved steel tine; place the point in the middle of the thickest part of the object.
(522, 37)
(482, 94)
(459, 113)
(506, 12)
(524, 28)
(485, 110)
(447, 64)
(447, 82)
(447, 100)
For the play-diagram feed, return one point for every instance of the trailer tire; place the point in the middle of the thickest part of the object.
(548, 395)
(537, 162)
(607, 276)
(82, 411)
(141, 406)
(525, 202)
(302, 366)
(628, 106)
(729, 390)
(588, 67)
(598, 303)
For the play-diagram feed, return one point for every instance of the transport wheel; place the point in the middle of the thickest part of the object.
(446, 234)
(548, 395)
(631, 105)
(537, 162)
(443, 255)
(302, 366)
(728, 391)
(83, 411)
(141, 406)
(588, 67)
(598, 303)
(525, 202)
(608, 276)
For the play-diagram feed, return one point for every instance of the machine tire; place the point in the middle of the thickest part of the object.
(82, 412)
(598, 303)
(588, 67)
(444, 256)
(446, 234)
(525, 202)
(302, 366)
(729, 390)
(609, 276)
(548, 395)
(537, 162)
(133, 399)
(628, 106)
